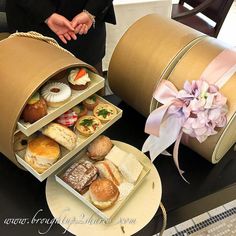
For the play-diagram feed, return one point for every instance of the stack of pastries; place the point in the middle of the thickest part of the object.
(110, 174)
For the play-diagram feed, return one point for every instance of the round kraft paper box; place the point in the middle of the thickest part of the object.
(25, 65)
(146, 53)
(190, 67)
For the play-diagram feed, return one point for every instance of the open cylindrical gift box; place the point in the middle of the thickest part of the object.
(25, 65)
(156, 49)
(146, 53)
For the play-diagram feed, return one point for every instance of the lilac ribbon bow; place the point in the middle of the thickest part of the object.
(196, 110)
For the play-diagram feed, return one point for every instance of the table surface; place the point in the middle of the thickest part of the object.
(22, 196)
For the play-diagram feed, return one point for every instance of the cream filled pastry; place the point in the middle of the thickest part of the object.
(78, 79)
(56, 93)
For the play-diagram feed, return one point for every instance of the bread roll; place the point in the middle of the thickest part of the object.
(41, 153)
(99, 148)
(103, 193)
(61, 134)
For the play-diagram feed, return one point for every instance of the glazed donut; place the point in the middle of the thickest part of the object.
(56, 93)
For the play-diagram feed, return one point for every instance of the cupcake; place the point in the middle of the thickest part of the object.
(80, 110)
(78, 79)
(91, 102)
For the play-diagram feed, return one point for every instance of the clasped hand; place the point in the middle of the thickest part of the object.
(67, 30)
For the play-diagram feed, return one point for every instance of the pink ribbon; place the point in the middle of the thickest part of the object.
(218, 72)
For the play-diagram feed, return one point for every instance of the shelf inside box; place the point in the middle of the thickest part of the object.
(109, 213)
(66, 155)
(97, 83)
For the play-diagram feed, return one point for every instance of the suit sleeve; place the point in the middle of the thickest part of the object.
(98, 8)
(38, 10)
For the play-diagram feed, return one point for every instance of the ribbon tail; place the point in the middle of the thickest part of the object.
(175, 156)
(169, 132)
(165, 153)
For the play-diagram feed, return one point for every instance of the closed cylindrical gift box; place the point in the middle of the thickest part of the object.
(191, 67)
(167, 50)
(25, 65)
(146, 53)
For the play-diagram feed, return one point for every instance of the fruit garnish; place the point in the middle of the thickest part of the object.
(80, 74)
(35, 98)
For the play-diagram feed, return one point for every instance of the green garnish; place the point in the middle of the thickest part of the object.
(86, 122)
(104, 113)
(93, 98)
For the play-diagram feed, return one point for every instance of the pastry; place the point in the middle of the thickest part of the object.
(99, 148)
(80, 175)
(104, 112)
(130, 168)
(109, 171)
(80, 110)
(20, 142)
(56, 93)
(91, 102)
(78, 79)
(61, 134)
(35, 109)
(41, 153)
(103, 193)
(116, 155)
(87, 125)
(67, 119)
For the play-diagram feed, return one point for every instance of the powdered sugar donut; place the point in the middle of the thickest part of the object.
(56, 93)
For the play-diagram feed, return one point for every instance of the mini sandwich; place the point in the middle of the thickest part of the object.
(41, 153)
(109, 171)
(130, 168)
(103, 193)
(61, 134)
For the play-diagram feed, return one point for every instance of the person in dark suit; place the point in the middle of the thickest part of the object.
(79, 26)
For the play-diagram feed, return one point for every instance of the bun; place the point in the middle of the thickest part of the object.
(41, 153)
(108, 170)
(99, 148)
(61, 134)
(35, 109)
(103, 193)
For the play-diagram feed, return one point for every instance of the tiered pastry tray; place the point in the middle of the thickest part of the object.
(82, 141)
(97, 83)
(109, 213)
